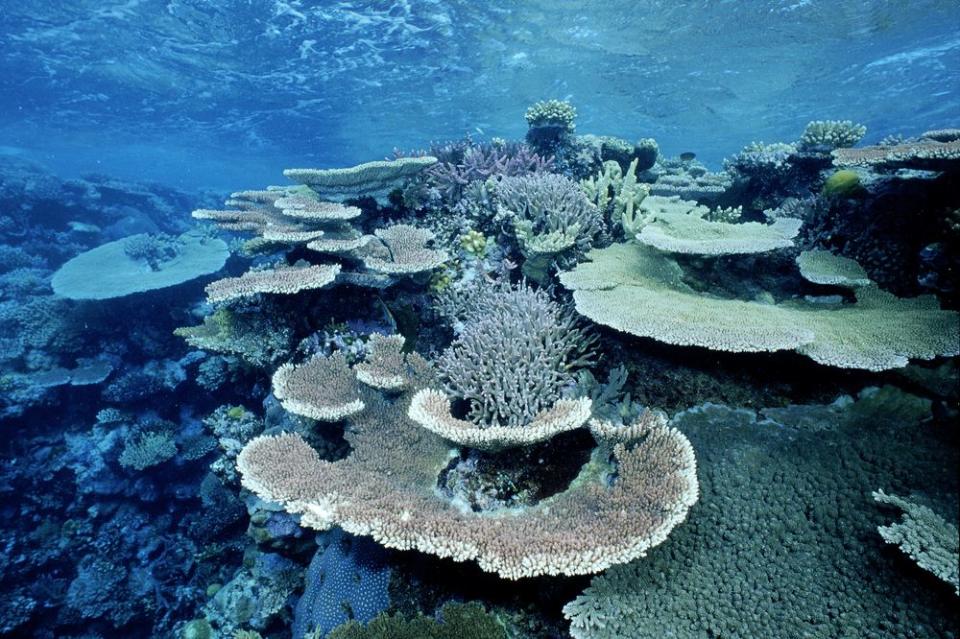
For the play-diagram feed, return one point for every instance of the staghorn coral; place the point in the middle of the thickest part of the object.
(323, 388)
(925, 537)
(387, 489)
(281, 280)
(515, 352)
(878, 332)
(481, 162)
(827, 135)
(550, 215)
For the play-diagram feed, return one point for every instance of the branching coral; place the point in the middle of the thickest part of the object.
(550, 214)
(826, 135)
(515, 352)
(925, 536)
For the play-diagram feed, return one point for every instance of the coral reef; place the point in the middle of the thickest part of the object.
(784, 540)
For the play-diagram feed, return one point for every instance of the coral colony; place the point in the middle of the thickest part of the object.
(391, 418)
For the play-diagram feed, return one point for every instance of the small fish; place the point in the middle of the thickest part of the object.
(687, 156)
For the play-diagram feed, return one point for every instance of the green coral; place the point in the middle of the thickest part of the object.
(457, 621)
(823, 267)
(843, 183)
(474, 243)
(618, 194)
(197, 629)
(260, 339)
(680, 226)
(149, 449)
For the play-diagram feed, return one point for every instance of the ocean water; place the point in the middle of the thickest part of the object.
(427, 319)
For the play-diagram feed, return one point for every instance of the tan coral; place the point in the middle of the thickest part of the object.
(386, 489)
(282, 280)
(432, 410)
(323, 388)
(385, 366)
(924, 154)
(303, 207)
(402, 249)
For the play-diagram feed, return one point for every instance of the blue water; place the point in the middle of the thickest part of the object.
(730, 414)
(211, 94)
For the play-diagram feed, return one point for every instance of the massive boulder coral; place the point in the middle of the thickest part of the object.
(387, 489)
(784, 540)
(640, 291)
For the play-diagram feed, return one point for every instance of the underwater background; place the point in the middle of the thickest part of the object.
(497, 319)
